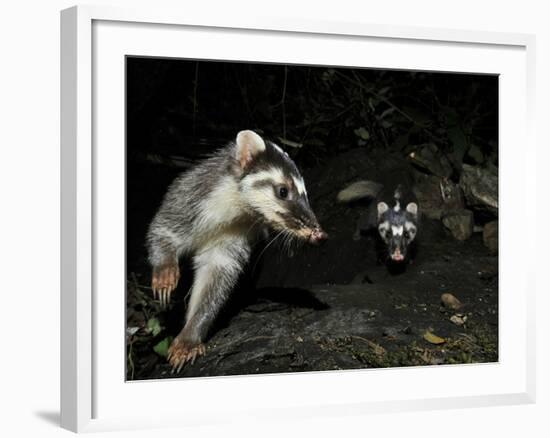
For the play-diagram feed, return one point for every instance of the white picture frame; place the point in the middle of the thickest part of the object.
(94, 395)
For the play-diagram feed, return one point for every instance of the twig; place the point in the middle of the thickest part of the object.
(195, 104)
(358, 83)
(131, 361)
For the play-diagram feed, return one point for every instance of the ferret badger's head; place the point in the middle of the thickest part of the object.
(397, 227)
(271, 186)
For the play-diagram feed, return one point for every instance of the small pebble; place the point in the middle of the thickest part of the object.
(458, 319)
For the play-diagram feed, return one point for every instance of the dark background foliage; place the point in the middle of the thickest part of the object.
(184, 108)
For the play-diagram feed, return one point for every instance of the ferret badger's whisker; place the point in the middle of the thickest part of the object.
(265, 249)
(288, 242)
(256, 222)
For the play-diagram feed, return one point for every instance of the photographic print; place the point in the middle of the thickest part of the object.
(289, 218)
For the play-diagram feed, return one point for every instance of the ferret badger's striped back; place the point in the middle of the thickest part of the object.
(214, 213)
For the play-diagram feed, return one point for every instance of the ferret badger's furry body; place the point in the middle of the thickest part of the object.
(215, 213)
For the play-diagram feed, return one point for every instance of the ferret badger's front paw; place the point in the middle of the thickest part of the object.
(182, 351)
(164, 282)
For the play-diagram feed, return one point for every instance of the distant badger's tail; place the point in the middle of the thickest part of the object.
(359, 190)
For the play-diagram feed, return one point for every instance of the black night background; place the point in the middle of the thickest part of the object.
(333, 307)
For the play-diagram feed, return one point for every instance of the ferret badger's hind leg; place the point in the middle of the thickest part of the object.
(217, 270)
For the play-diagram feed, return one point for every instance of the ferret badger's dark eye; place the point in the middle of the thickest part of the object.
(282, 192)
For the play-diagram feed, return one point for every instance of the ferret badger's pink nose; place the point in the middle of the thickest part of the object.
(397, 256)
(318, 236)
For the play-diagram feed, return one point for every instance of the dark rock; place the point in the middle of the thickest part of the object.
(429, 158)
(460, 223)
(490, 236)
(450, 301)
(437, 195)
(358, 190)
(480, 188)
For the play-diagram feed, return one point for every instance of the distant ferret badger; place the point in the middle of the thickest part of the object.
(215, 213)
(393, 213)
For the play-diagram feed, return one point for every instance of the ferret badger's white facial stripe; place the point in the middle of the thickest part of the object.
(397, 230)
(384, 226)
(271, 175)
(410, 229)
(388, 231)
(300, 185)
(384, 230)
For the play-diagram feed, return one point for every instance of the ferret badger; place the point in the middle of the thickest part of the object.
(397, 222)
(215, 213)
(393, 214)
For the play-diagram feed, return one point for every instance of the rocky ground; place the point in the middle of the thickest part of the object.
(377, 320)
(334, 307)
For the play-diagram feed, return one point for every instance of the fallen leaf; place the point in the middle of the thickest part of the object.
(378, 349)
(131, 331)
(433, 339)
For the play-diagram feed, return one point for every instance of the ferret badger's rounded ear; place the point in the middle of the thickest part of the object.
(382, 207)
(412, 208)
(249, 145)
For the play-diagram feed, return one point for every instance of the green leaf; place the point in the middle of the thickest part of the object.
(418, 115)
(372, 103)
(153, 326)
(162, 347)
(362, 133)
(387, 112)
(476, 154)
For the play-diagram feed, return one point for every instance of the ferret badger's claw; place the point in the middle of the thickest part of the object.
(164, 282)
(181, 352)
